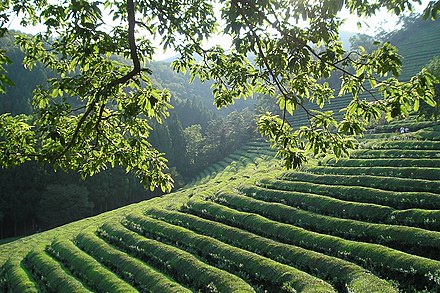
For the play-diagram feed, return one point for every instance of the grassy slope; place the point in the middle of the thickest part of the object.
(332, 228)
(308, 234)
(19, 248)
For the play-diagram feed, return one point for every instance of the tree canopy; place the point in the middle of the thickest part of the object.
(428, 111)
(98, 110)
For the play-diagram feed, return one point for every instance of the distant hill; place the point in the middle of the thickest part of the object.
(417, 44)
(345, 38)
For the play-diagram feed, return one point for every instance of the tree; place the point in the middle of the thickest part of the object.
(18, 99)
(429, 111)
(363, 42)
(295, 44)
(194, 142)
(61, 204)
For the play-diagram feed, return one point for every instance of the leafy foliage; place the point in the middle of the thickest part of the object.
(337, 271)
(183, 266)
(432, 111)
(295, 44)
(63, 203)
(402, 265)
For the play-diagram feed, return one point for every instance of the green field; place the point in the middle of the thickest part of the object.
(243, 226)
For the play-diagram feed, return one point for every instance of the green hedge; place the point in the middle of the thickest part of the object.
(403, 172)
(2, 280)
(86, 268)
(343, 274)
(18, 279)
(400, 144)
(394, 153)
(412, 270)
(410, 239)
(400, 162)
(262, 152)
(134, 271)
(398, 200)
(426, 219)
(52, 274)
(390, 135)
(262, 271)
(431, 133)
(245, 157)
(394, 127)
(321, 204)
(182, 265)
(241, 160)
(384, 183)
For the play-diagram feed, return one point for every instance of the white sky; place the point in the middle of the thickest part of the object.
(370, 26)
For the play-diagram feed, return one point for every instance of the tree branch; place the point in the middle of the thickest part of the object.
(136, 70)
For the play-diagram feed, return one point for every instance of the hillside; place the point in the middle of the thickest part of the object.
(368, 224)
(417, 45)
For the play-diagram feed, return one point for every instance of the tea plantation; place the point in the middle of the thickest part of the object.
(367, 224)
(370, 223)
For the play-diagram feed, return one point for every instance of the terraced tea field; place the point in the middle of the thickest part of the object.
(368, 224)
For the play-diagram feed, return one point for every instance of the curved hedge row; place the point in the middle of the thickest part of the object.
(384, 183)
(400, 144)
(379, 162)
(18, 279)
(345, 275)
(182, 265)
(394, 127)
(398, 200)
(431, 133)
(51, 274)
(427, 219)
(258, 269)
(134, 271)
(394, 153)
(86, 268)
(388, 135)
(321, 204)
(403, 172)
(410, 239)
(392, 263)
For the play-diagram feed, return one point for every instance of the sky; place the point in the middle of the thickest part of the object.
(383, 20)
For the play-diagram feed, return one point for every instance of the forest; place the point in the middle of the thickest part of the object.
(195, 136)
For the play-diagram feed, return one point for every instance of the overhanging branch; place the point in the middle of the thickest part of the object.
(136, 70)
